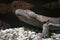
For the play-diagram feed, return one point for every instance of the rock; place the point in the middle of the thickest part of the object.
(56, 36)
(20, 34)
(17, 34)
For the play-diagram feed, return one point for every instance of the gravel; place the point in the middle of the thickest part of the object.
(19, 34)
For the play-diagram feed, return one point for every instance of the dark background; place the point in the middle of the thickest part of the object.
(38, 7)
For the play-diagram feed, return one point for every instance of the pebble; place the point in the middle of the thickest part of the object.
(56, 36)
(18, 34)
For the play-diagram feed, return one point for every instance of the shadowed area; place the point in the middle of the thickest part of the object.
(44, 7)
